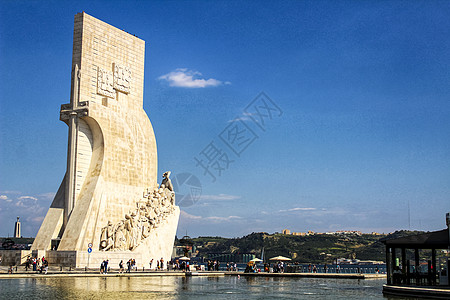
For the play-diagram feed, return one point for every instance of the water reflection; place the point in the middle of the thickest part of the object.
(168, 287)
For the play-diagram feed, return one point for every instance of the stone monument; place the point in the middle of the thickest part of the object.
(109, 199)
(17, 228)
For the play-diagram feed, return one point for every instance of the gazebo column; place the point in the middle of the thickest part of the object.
(404, 265)
(388, 265)
(416, 264)
(433, 266)
(393, 264)
(416, 259)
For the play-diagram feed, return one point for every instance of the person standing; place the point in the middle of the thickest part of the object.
(151, 262)
(27, 263)
(45, 263)
(34, 261)
(121, 266)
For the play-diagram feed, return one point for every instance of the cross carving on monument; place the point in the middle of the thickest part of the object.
(70, 113)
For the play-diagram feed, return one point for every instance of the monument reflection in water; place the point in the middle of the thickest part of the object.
(174, 287)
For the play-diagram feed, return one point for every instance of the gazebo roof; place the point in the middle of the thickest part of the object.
(430, 240)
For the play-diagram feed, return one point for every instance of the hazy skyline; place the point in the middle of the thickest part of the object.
(355, 132)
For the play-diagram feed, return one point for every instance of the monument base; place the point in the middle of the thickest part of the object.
(158, 245)
(13, 257)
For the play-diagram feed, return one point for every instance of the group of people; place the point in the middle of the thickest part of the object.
(251, 267)
(131, 265)
(38, 264)
(179, 265)
(231, 266)
(159, 264)
(104, 267)
(312, 268)
(278, 267)
(213, 265)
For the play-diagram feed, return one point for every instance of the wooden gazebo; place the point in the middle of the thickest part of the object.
(408, 272)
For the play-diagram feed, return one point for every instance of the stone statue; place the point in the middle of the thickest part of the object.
(107, 237)
(120, 240)
(153, 209)
(166, 181)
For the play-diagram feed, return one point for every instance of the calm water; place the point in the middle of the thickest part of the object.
(228, 287)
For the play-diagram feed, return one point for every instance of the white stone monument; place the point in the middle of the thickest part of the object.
(109, 198)
(17, 227)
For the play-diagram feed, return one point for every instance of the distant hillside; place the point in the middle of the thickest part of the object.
(317, 248)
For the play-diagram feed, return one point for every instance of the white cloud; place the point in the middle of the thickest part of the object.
(223, 219)
(184, 216)
(27, 201)
(11, 192)
(37, 220)
(219, 197)
(27, 198)
(5, 198)
(298, 209)
(183, 77)
(48, 196)
(246, 116)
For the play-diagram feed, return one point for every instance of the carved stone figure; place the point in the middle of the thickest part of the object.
(153, 209)
(166, 181)
(107, 237)
(120, 240)
(168, 185)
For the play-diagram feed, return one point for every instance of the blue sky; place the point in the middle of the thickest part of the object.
(362, 87)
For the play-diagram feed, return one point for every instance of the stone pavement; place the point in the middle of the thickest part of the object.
(69, 272)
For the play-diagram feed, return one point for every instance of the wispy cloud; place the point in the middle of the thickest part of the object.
(48, 196)
(11, 192)
(27, 198)
(185, 215)
(223, 219)
(5, 198)
(216, 219)
(183, 77)
(30, 208)
(297, 209)
(27, 201)
(219, 197)
(246, 116)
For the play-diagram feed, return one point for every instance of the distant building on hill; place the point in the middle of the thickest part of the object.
(349, 232)
(288, 231)
(310, 232)
(299, 233)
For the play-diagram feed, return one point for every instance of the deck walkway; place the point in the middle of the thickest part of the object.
(66, 272)
(417, 291)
